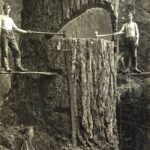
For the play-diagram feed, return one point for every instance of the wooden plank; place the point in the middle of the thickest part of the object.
(140, 74)
(72, 99)
(144, 74)
(30, 72)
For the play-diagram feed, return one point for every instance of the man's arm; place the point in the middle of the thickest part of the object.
(137, 33)
(122, 31)
(18, 29)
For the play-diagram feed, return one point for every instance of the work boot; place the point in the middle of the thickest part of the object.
(6, 65)
(136, 70)
(127, 70)
(20, 68)
(18, 65)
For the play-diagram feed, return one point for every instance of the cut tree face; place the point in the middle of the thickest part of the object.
(85, 25)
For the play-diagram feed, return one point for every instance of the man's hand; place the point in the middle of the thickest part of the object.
(116, 33)
(29, 31)
(96, 33)
(136, 43)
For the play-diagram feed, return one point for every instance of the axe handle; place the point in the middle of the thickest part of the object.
(104, 35)
(48, 33)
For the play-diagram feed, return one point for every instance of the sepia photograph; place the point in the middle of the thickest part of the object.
(74, 75)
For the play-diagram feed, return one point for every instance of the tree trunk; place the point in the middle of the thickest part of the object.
(45, 102)
(86, 80)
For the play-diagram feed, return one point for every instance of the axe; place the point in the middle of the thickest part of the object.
(102, 35)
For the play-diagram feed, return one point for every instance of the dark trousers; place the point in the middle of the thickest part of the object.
(8, 41)
(130, 52)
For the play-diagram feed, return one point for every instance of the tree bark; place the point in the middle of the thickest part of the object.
(44, 102)
(93, 83)
(93, 89)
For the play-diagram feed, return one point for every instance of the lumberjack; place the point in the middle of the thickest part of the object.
(8, 41)
(131, 32)
(7, 27)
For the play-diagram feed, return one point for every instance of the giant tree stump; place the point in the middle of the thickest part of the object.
(86, 68)
(93, 86)
(86, 80)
